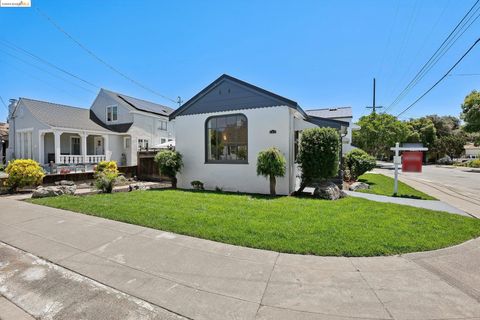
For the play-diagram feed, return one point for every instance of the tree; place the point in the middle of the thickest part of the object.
(169, 163)
(452, 145)
(379, 132)
(422, 130)
(471, 112)
(356, 163)
(318, 155)
(444, 125)
(271, 164)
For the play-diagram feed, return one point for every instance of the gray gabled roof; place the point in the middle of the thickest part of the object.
(139, 104)
(277, 99)
(61, 116)
(329, 113)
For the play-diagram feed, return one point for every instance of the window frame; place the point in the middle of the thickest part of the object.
(206, 141)
(163, 125)
(110, 109)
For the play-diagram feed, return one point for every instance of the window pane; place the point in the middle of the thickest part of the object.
(109, 114)
(242, 152)
(227, 138)
(115, 114)
(221, 122)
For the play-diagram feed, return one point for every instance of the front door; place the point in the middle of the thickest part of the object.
(98, 141)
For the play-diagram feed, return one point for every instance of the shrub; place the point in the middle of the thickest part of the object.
(356, 163)
(197, 185)
(170, 163)
(271, 164)
(22, 173)
(474, 163)
(318, 155)
(106, 174)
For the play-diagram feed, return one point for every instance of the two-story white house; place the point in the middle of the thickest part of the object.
(114, 128)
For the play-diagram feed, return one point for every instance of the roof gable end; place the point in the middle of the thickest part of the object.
(228, 93)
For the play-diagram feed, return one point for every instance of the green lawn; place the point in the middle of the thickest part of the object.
(383, 185)
(346, 227)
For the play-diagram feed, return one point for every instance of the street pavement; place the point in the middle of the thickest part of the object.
(459, 187)
(201, 279)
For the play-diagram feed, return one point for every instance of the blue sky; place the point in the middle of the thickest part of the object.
(318, 53)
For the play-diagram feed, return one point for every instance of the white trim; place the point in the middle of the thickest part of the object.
(79, 142)
(125, 142)
(79, 131)
(158, 116)
(25, 130)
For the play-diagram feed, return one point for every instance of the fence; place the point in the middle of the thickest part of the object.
(147, 168)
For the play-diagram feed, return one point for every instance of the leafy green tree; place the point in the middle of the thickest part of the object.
(169, 163)
(379, 132)
(356, 163)
(471, 112)
(422, 130)
(271, 164)
(319, 154)
(444, 125)
(452, 145)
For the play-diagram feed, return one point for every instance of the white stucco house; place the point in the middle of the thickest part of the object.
(115, 127)
(221, 130)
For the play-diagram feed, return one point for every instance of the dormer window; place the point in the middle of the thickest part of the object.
(112, 113)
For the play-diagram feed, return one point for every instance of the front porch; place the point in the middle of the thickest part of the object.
(61, 148)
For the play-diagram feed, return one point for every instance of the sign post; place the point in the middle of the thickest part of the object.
(414, 163)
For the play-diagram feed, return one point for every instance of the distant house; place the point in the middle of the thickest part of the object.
(337, 113)
(472, 151)
(114, 128)
(3, 141)
(221, 130)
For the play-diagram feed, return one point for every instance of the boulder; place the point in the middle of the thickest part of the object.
(137, 186)
(327, 190)
(358, 186)
(64, 183)
(53, 191)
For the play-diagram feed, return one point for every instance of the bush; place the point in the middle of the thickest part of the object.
(197, 185)
(356, 163)
(106, 174)
(474, 163)
(271, 164)
(318, 155)
(22, 173)
(170, 163)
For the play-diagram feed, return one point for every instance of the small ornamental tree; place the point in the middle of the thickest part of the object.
(22, 173)
(169, 163)
(356, 163)
(318, 155)
(271, 164)
(106, 174)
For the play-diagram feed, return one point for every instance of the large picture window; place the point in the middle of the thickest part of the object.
(227, 139)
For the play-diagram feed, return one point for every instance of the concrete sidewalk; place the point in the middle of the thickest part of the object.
(426, 204)
(201, 279)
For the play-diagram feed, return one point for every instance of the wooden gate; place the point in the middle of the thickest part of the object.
(147, 168)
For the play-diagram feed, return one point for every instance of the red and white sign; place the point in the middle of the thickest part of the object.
(412, 161)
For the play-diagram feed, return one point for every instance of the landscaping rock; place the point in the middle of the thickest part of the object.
(137, 186)
(53, 191)
(327, 190)
(65, 183)
(358, 186)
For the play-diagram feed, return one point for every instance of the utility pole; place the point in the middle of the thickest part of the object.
(374, 107)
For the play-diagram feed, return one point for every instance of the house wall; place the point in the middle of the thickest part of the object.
(23, 119)
(99, 107)
(190, 142)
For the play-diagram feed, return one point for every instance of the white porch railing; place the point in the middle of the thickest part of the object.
(75, 159)
(95, 158)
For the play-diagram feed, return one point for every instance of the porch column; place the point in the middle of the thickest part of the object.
(83, 144)
(41, 147)
(106, 148)
(57, 135)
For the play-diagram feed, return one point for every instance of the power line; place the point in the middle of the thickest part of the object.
(20, 49)
(3, 103)
(91, 53)
(464, 74)
(440, 80)
(46, 71)
(440, 52)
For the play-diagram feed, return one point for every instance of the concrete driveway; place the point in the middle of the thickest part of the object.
(201, 279)
(459, 187)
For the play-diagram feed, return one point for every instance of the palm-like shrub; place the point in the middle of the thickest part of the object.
(22, 173)
(318, 155)
(169, 163)
(106, 174)
(271, 164)
(356, 163)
